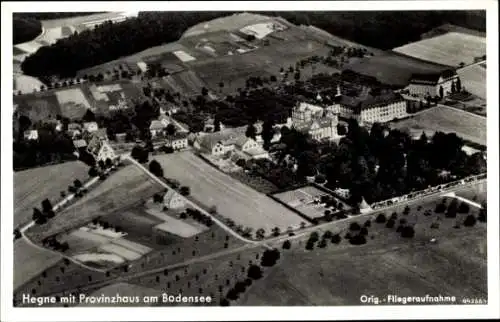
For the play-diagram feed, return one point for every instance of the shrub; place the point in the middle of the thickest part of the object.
(406, 211)
(470, 221)
(322, 243)
(463, 208)
(354, 226)
(314, 237)
(390, 223)
(440, 208)
(336, 239)
(310, 245)
(367, 223)
(435, 225)
(394, 215)
(254, 272)
(407, 232)
(358, 240)
(380, 219)
(363, 231)
(287, 244)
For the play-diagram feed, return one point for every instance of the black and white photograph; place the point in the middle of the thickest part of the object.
(287, 156)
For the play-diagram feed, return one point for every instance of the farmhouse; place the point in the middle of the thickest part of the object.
(173, 200)
(430, 84)
(31, 135)
(74, 130)
(99, 146)
(117, 101)
(177, 141)
(384, 107)
(317, 122)
(250, 147)
(156, 128)
(230, 140)
(90, 127)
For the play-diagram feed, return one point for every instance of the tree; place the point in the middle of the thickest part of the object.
(276, 231)
(93, 172)
(354, 226)
(314, 237)
(367, 223)
(17, 234)
(171, 129)
(451, 212)
(260, 233)
(184, 190)
(270, 257)
(363, 231)
(101, 164)
(204, 91)
(322, 243)
(380, 219)
(77, 183)
(37, 214)
(254, 272)
(310, 244)
(320, 179)
(407, 232)
(358, 240)
(459, 85)
(463, 208)
(156, 168)
(470, 221)
(108, 163)
(406, 211)
(482, 212)
(46, 205)
(224, 302)
(63, 194)
(390, 223)
(287, 244)
(50, 214)
(89, 116)
(232, 294)
(440, 208)
(251, 131)
(157, 198)
(336, 239)
(453, 87)
(441, 92)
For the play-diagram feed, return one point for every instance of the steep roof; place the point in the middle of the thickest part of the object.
(169, 195)
(79, 143)
(357, 104)
(432, 78)
(156, 125)
(241, 140)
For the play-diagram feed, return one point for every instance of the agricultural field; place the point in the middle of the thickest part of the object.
(474, 80)
(211, 278)
(233, 199)
(392, 68)
(26, 84)
(233, 22)
(50, 181)
(452, 49)
(445, 119)
(303, 200)
(339, 274)
(121, 190)
(30, 261)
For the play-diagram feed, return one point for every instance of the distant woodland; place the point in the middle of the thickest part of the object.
(384, 30)
(26, 25)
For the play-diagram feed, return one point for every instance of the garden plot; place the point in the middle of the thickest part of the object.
(175, 226)
(307, 201)
(183, 56)
(72, 102)
(447, 120)
(261, 30)
(452, 49)
(26, 84)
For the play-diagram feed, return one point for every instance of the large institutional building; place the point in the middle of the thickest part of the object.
(430, 84)
(381, 108)
(318, 122)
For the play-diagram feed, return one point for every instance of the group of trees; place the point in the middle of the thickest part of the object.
(56, 245)
(377, 166)
(41, 217)
(51, 146)
(323, 242)
(199, 216)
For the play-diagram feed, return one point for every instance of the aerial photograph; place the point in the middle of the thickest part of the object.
(249, 158)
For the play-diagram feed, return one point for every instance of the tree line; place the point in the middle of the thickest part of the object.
(110, 41)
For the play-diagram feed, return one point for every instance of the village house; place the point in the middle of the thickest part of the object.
(31, 135)
(230, 141)
(98, 145)
(90, 127)
(370, 109)
(317, 122)
(74, 130)
(173, 200)
(430, 84)
(178, 141)
(156, 128)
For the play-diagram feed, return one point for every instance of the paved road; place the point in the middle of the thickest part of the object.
(304, 233)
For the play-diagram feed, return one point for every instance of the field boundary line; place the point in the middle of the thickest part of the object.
(462, 111)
